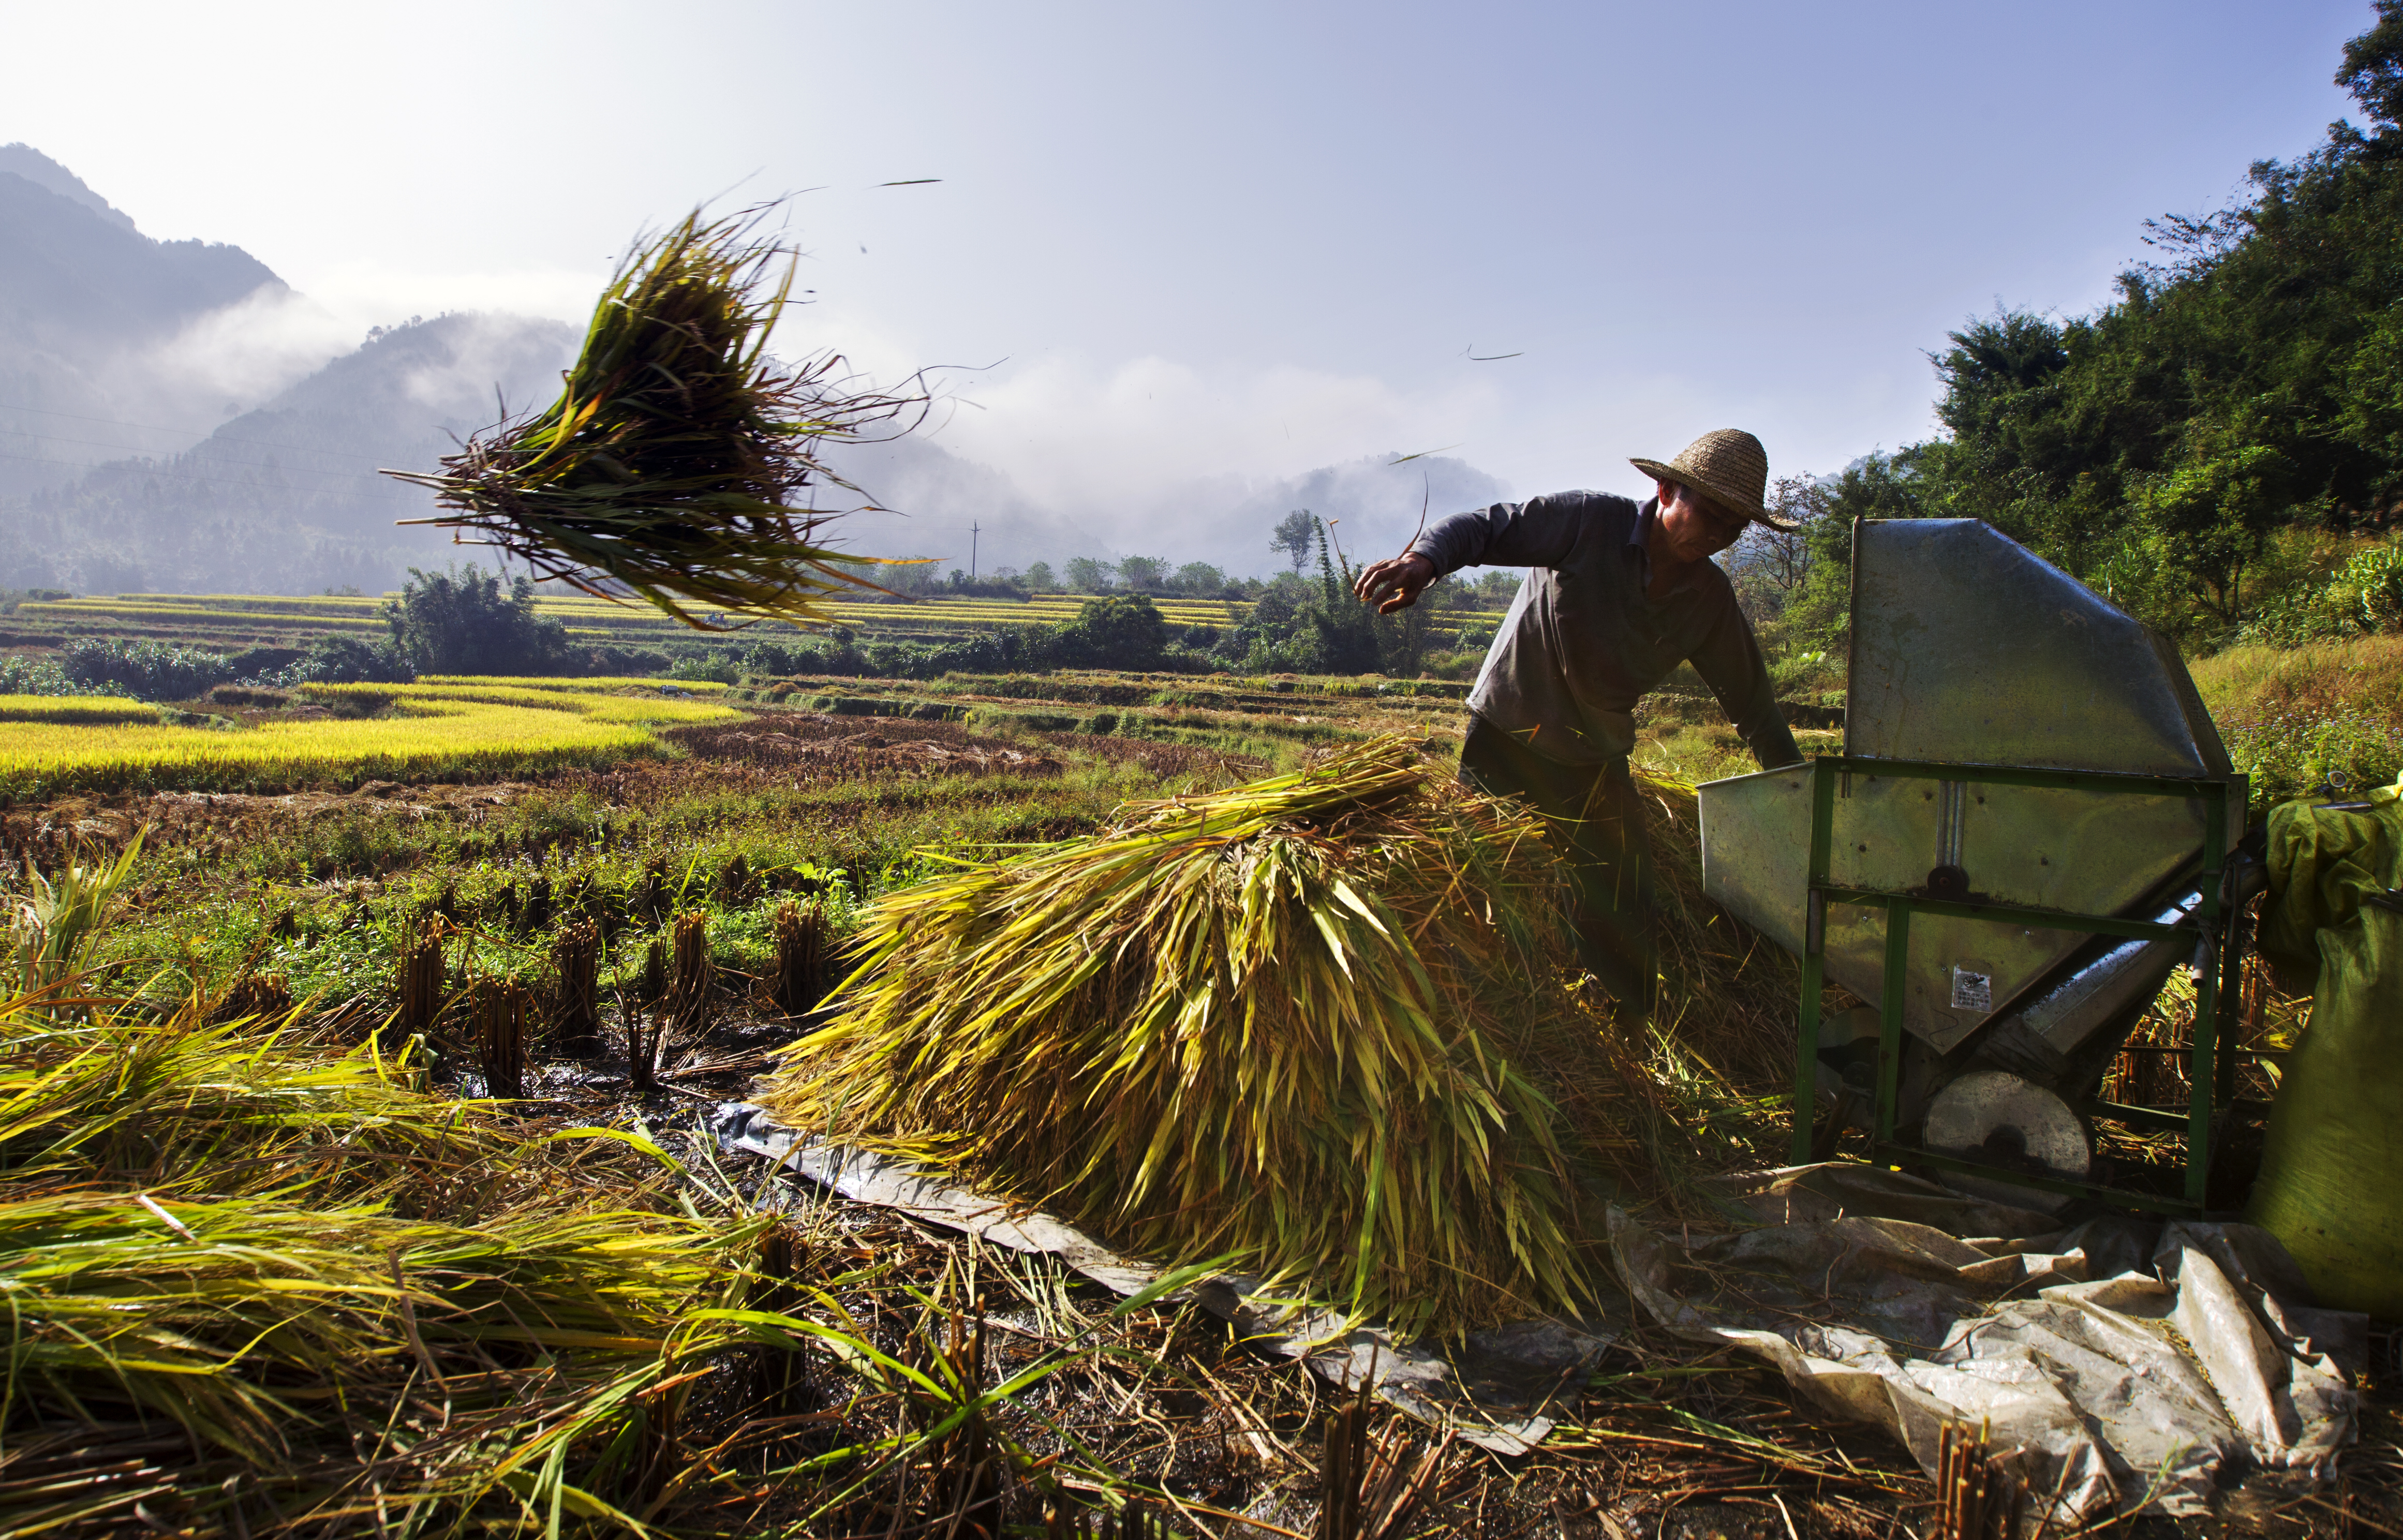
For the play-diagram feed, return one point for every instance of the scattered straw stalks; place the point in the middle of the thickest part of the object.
(1312, 1022)
(671, 465)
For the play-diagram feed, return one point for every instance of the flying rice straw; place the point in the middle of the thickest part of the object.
(670, 465)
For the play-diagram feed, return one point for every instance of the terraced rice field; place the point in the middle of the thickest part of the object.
(338, 735)
(249, 620)
(80, 709)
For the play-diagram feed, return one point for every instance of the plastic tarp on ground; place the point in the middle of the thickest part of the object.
(2129, 1363)
(1489, 1390)
(2331, 1185)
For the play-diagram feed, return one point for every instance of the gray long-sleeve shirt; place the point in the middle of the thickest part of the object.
(1583, 643)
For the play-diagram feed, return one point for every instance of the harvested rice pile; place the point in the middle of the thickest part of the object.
(1319, 1023)
(678, 462)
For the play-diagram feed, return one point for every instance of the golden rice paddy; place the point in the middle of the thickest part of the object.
(376, 732)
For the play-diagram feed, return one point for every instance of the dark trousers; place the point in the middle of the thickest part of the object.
(1596, 821)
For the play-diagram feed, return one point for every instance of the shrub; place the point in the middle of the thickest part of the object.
(716, 667)
(148, 671)
(27, 675)
(346, 660)
(461, 621)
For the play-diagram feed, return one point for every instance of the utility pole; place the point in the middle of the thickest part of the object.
(974, 530)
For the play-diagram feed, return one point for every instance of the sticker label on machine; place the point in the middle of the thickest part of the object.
(1972, 989)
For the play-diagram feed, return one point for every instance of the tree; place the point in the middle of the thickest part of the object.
(1088, 575)
(1297, 537)
(1768, 565)
(1198, 577)
(339, 659)
(1120, 631)
(461, 621)
(1143, 572)
(2214, 515)
(2372, 71)
(1041, 578)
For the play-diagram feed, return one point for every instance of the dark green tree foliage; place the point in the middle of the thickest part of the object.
(463, 621)
(1120, 631)
(1293, 535)
(349, 660)
(159, 671)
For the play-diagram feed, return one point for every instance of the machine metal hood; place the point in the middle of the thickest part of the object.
(1967, 648)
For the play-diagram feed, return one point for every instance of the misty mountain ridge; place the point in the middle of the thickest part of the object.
(106, 333)
(119, 351)
(21, 160)
(285, 498)
(1375, 503)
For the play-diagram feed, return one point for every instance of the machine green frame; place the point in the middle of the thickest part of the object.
(2211, 1063)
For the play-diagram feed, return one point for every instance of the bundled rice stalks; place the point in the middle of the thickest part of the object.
(736, 886)
(498, 1006)
(267, 996)
(243, 1105)
(1312, 1021)
(800, 982)
(575, 957)
(649, 899)
(655, 970)
(670, 465)
(421, 976)
(692, 977)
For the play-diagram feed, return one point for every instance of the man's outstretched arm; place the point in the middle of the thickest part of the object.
(1538, 532)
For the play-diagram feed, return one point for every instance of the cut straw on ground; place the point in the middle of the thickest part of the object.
(1316, 1021)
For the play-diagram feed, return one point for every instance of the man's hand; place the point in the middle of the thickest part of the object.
(1394, 585)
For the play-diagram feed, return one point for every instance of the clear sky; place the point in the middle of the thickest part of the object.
(1228, 243)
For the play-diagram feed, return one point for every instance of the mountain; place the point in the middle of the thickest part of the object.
(285, 498)
(89, 306)
(175, 417)
(940, 494)
(26, 162)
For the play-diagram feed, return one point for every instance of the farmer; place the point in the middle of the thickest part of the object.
(1619, 596)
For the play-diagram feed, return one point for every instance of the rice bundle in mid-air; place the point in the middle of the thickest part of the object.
(1321, 1022)
(670, 464)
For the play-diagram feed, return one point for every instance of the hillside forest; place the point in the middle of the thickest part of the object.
(2219, 450)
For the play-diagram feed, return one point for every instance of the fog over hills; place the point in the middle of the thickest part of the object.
(285, 498)
(174, 417)
(1376, 500)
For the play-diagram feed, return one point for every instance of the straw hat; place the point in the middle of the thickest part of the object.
(1725, 466)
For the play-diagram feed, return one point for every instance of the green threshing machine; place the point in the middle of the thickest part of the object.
(2031, 823)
